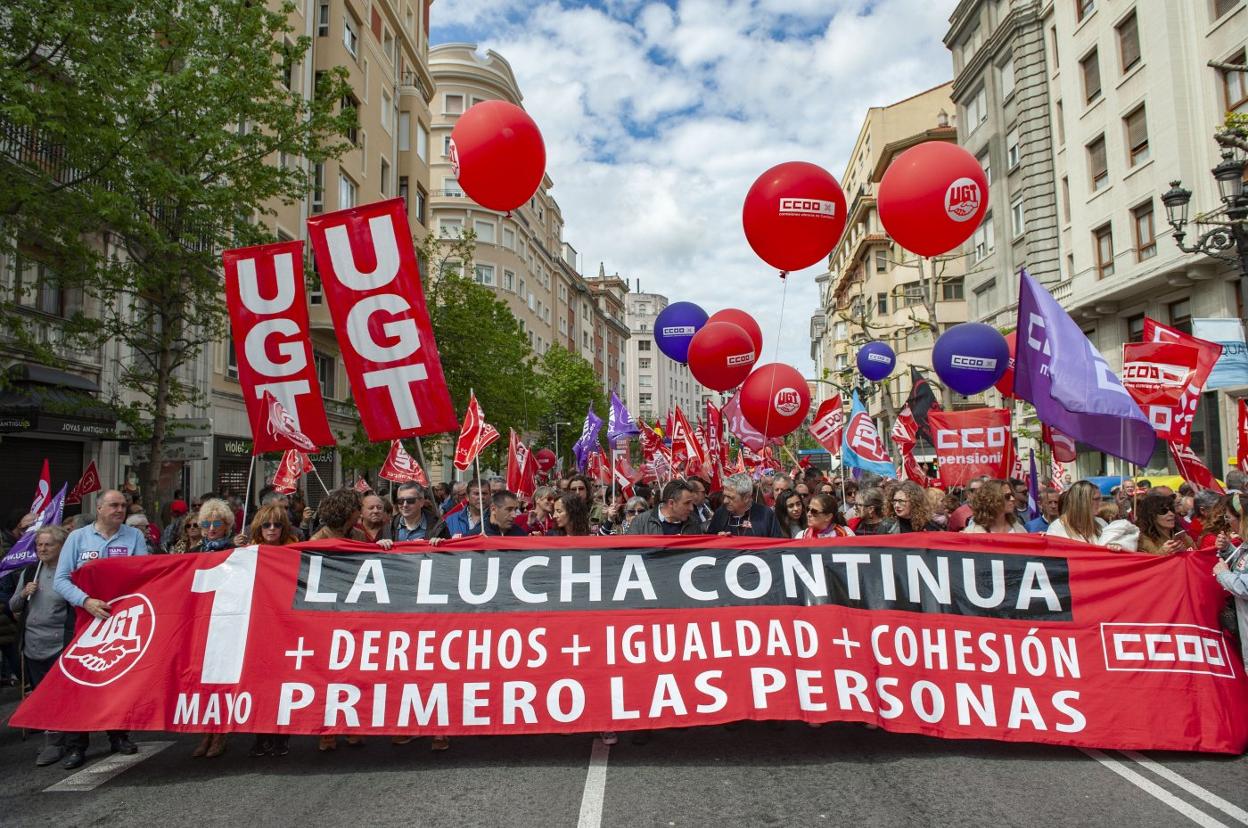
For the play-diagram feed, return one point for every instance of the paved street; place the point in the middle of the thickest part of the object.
(835, 775)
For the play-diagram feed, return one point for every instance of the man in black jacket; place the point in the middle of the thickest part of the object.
(740, 515)
(674, 516)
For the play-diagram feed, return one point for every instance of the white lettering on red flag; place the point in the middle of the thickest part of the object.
(972, 443)
(401, 467)
(828, 426)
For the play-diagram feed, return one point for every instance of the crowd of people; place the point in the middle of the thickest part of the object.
(38, 601)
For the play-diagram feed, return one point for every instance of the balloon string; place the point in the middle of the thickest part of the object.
(784, 291)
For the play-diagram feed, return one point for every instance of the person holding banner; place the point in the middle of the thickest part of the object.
(1078, 520)
(1231, 570)
(824, 519)
(46, 622)
(911, 511)
(542, 516)
(869, 506)
(993, 511)
(673, 516)
(373, 518)
(216, 524)
(791, 514)
(1155, 516)
(416, 517)
(740, 515)
(271, 526)
(571, 516)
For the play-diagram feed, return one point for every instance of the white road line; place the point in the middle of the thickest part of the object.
(595, 787)
(92, 777)
(1228, 808)
(1155, 790)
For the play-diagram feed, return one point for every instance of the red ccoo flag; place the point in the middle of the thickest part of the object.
(89, 483)
(401, 467)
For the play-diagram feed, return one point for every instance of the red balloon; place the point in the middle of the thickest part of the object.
(721, 355)
(794, 215)
(775, 399)
(745, 322)
(1006, 384)
(498, 155)
(932, 197)
(545, 459)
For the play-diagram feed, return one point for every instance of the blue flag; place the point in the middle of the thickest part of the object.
(862, 448)
(23, 552)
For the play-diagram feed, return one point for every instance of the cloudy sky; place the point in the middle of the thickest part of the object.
(659, 116)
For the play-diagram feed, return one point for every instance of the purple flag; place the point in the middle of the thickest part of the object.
(585, 446)
(1072, 387)
(22, 553)
(620, 424)
(1033, 487)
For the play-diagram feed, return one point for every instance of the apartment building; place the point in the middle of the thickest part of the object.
(873, 289)
(657, 384)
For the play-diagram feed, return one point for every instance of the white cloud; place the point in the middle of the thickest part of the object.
(658, 118)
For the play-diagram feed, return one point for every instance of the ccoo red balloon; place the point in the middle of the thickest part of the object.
(775, 399)
(498, 155)
(794, 215)
(932, 197)
(1006, 384)
(745, 322)
(545, 459)
(721, 355)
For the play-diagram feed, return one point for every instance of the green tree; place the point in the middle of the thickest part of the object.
(566, 386)
(170, 129)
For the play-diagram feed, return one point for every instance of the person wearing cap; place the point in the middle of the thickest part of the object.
(173, 529)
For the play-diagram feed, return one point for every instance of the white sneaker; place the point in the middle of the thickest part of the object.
(608, 737)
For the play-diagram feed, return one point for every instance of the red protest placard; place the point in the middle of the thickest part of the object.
(972, 443)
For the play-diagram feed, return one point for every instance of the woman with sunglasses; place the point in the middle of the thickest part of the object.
(189, 537)
(216, 522)
(824, 518)
(542, 516)
(632, 508)
(791, 513)
(271, 526)
(992, 510)
(1155, 516)
(1231, 570)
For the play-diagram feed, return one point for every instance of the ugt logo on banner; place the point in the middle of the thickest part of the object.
(372, 285)
(110, 647)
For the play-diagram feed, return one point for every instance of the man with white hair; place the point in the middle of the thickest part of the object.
(740, 515)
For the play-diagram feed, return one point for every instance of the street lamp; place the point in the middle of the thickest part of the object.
(561, 422)
(1226, 238)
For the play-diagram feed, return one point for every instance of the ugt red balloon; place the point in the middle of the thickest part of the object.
(775, 399)
(794, 215)
(932, 197)
(498, 155)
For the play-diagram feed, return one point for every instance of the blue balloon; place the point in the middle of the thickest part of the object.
(876, 361)
(971, 357)
(675, 326)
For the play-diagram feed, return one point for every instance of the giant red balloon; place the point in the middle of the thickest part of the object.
(932, 197)
(775, 399)
(794, 215)
(721, 355)
(498, 155)
(1006, 384)
(744, 321)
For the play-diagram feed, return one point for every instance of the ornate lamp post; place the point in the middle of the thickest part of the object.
(1224, 231)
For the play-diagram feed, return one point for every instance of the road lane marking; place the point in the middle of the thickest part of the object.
(1155, 790)
(1228, 808)
(92, 777)
(595, 786)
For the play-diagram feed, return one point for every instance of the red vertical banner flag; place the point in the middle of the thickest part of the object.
(372, 285)
(521, 466)
(1192, 469)
(89, 483)
(1185, 415)
(43, 490)
(401, 467)
(1157, 376)
(828, 426)
(972, 443)
(269, 319)
(474, 435)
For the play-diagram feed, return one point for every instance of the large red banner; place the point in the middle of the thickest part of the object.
(1184, 415)
(1157, 376)
(1017, 638)
(269, 317)
(372, 285)
(972, 443)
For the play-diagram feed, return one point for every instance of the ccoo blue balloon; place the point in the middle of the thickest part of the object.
(971, 357)
(675, 326)
(876, 361)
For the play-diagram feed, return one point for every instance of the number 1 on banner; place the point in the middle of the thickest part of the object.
(231, 583)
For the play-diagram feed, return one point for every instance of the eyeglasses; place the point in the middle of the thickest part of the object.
(211, 524)
(407, 501)
(634, 511)
(271, 525)
(900, 500)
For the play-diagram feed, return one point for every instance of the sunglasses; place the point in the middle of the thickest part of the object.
(271, 525)
(407, 501)
(211, 524)
(814, 511)
(635, 511)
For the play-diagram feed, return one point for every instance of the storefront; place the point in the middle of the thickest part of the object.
(231, 462)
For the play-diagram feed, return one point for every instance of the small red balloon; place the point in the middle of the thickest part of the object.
(794, 215)
(545, 459)
(745, 322)
(721, 355)
(1006, 384)
(498, 155)
(775, 399)
(932, 197)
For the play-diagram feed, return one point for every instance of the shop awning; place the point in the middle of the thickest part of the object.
(38, 398)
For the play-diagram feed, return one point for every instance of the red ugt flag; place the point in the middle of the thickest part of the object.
(280, 430)
(292, 467)
(89, 483)
(1192, 468)
(474, 435)
(43, 490)
(521, 466)
(401, 467)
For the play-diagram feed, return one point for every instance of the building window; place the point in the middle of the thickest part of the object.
(1012, 153)
(643, 345)
(405, 192)
(1235, 84)
(421, 199)
(1135, 328)
(976, 110)
(484, 274)
(452, 104)
(1059, 119)
(326, 373)
(387, 110)
(881, 261)
(1137, 137)
(1065, 200)
(1145, 231)
(422, 143)
(387, 45)
(1083, 8)
(1091, 77)
(322, 18)
(350, 104)
(1016, 218)
(231, 360)
(983, 240)
(450, 187)
(953, 290)
(985, 161)
(509, 238)
(881, 303)
(37, 287)
(1007, 79)
(984, 298)
(1098, 169)
(509, 280)
(351, 35)
(1057, 63)
(1221, 7)
(1128, 43)
(348, 193)
(1181, 315)
(484, 231)
(318, 187)
(450, 228)
(1070, 265)
(1103, 241)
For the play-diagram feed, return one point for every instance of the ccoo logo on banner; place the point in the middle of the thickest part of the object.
(973, 443)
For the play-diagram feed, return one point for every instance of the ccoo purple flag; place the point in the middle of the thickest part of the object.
(588, 442)
(22, 553)
(620, 424)
(1072, 387)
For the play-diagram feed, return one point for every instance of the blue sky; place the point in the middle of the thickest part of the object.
(658, 116)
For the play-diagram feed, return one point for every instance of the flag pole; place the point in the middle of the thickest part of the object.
(319, 480)
(476, 464)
